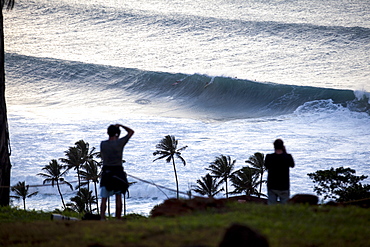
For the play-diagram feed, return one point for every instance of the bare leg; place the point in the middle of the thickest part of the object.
(103, 207)
(118, 206)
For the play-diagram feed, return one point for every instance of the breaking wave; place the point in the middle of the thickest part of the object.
(53, 81)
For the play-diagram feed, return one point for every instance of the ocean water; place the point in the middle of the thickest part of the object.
(223, 77)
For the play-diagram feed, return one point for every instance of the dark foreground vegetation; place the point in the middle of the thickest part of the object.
(282, 225)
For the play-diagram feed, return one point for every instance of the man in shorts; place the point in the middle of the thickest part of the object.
(113, 181)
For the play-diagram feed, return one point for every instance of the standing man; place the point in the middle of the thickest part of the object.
(113, 181)
(278, 164)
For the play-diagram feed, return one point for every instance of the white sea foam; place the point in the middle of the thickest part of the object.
(317, 141)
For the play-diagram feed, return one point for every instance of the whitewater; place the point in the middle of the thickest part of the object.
(223, 77)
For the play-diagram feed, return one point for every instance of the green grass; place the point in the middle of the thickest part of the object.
(8, 214)
(288, 225)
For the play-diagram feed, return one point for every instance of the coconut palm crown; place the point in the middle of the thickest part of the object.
(54, 174)
(90, 172)
(8, 3)
(257, 161)
(167, 148)
(208, 186)
(77, 156)
(222, 168)
(245, 180)
(21, 191)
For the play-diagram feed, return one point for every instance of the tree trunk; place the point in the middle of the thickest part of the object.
(124, 204)
(177, 182)
(5, 165)
(79, 179)
(61, 196)
(97, 200)
(227, 191)
(259, 195)
(88, 203)
(108, 206)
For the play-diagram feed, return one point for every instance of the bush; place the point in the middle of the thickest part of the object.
(340, 184)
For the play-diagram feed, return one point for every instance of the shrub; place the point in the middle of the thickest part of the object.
(340, 184)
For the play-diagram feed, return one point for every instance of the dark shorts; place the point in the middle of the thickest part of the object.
(113, 181)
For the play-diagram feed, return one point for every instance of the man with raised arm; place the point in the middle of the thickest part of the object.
(278, 182)
(114, 179)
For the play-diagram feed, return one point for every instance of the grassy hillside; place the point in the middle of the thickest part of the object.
(288, 225)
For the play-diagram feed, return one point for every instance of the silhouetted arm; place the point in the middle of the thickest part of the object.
(130, 132)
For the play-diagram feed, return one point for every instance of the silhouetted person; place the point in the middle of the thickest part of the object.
(114, 181)
(238, 235)
(278, 164)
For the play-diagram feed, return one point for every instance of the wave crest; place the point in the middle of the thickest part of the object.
(171, 94)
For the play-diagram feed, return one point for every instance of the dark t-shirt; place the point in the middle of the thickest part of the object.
(278, 170)
(111, 151)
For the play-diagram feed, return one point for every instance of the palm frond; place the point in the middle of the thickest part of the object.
(181, 149)
(69, 184)
(169, 158)
(208, 185)
(44, 175)
(32, 194)
(222, 166)
(181, 158)
(74, 158)
(8, 3)
(90, 171)
(161, 157)
(49, 180)
(257, 161)
(246, 180)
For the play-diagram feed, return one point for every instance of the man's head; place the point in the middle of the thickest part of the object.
(279, 144)
(113, 130)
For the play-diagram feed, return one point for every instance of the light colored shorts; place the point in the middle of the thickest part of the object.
(104, 193)
(278, 196)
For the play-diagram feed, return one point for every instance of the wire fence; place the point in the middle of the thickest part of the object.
(134, 177)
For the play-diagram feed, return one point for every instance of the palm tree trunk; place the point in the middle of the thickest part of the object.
(96, 196)
(79, 179)
(5, 165)
(108, 200)
(259, 195)
(124, 204)
(60, 193)
(227, 191)
(177, 182)
(88, 204)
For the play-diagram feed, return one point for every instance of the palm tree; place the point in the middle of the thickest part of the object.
(54, 174)
(245, 180)
(78, 156)
(86, 153)
(73, 160)
(21, 191)
(208, 185)
(90, 172)
(81, 202)
(5, 165)
(167, 148)
(222, 168)
(258, 162)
